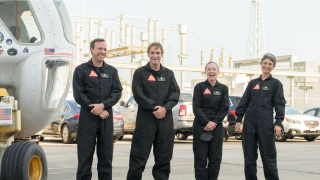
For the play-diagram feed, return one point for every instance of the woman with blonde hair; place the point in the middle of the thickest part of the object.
(210, 106)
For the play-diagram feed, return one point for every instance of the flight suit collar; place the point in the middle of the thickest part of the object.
(104, 66)
(217, 83)
(270, 77)
(147, 66)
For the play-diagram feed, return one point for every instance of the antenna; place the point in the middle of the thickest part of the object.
(256, 47)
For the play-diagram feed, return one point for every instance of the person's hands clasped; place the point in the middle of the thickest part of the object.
(104, 114)
(160, 113)
(238, 126)
(277, 130)
(210, 126)
(97, 108)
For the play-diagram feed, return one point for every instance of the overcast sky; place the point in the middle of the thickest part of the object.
(290, 27)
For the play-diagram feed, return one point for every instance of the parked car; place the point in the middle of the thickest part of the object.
(313, 112)
(229, 121)
(65, 124)
(183, 116)
(297, 124)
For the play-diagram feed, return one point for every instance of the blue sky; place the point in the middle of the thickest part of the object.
(291, 27)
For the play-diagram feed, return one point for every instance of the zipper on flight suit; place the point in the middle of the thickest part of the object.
(258, 103)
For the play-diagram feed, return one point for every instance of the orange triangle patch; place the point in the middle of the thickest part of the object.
(151, 78)
(93, 74)
(257, 86)
(207, 91)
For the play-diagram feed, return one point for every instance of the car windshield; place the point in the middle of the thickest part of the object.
(291, 110)
(185, 97)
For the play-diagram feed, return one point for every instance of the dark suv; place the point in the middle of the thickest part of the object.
(229, 122)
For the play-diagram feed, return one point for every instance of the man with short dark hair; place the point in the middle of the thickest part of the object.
(96, 87)
(261, 96)
(156, 91)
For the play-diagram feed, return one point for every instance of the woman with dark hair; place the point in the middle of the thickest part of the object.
(210, 106)
(261, 96)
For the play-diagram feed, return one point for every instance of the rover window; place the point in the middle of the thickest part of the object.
(20, 21)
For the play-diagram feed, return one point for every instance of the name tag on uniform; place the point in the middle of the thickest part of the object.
(217, 93)
(266, 88)
(161, 79)
(104, 75)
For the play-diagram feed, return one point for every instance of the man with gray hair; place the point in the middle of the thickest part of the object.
(261, 96)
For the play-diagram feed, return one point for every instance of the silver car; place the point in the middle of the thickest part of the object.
(297, 124)
(183, 116)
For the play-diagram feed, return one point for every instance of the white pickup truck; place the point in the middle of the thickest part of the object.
(182, 116)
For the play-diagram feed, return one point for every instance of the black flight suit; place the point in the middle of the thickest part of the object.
(153, 88)
(93, 87)
(209, 104)
(257, 105)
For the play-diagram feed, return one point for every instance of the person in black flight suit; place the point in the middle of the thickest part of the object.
(261, 96)
(96, 87)
(210, 106)
(156, 91)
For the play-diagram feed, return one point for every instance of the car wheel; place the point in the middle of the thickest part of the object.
(281, 137)
(311, 138)
(66, 135)
(238, 137)
(181, 136)
(225, 136)
(41, 138)
(120, 138)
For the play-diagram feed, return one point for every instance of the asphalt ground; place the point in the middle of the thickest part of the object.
(297, 159)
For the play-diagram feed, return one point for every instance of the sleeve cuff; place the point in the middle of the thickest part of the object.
(278, 122)
(239, 119)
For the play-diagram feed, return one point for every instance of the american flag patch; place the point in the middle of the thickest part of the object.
(51, 51)
(5, 114)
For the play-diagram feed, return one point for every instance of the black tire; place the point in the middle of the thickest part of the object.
(120, 138)
(66, 135)
(22, 160)
(181, 136)
(282, 137)
(41, 138)
(238, 137)
(311, 138)
(225, 136)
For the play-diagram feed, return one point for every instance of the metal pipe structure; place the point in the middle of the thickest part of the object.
(150, 40)
(122, 30)
(183, 30)
(156, 31)
(133, 35)
(144, 42)
(212, 55)
(127, 32)
(230, 61)
(291, 90)
(100, 30)
(202, 58)
(112, 38)
(91, 25)
(221, 63)
(164, 45)
(81, 44)
(106, 38)
(77, 52)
